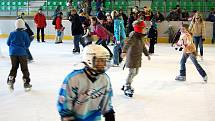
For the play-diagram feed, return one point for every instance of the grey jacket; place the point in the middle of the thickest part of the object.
(133, 48)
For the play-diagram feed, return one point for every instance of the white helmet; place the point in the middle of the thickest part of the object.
(96, 57)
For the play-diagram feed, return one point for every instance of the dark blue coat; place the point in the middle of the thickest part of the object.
(18, 41)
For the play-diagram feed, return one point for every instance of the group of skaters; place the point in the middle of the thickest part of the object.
(86, 93)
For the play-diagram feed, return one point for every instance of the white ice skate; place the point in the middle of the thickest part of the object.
(10, 82)
(128, 90)
(11, 87)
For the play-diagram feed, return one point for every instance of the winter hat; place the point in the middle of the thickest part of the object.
(138, 26)
(19, 23)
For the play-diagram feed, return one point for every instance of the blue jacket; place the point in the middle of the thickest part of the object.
(119, 30)
(18, 42)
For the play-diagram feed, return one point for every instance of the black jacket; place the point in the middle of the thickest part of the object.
(76, 26)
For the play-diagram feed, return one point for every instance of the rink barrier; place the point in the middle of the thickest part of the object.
(7, 26)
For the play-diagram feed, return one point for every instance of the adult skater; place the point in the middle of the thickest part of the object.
(189, 50)
(40, 21)
(197, 27)
(86, 93)
(120, 36)
(133, 50)
(77, 30)
(18, 41)
(152, 35)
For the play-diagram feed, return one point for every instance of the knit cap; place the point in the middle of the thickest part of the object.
(19, 23)
(139, 25)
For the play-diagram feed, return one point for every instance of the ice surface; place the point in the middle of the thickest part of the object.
(157, 97)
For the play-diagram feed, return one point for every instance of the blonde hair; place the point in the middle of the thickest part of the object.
(114, 13)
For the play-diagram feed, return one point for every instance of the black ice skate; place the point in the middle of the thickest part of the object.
(128, 90)
(27, 87)
(76, 51)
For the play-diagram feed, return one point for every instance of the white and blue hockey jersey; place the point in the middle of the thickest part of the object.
(83, 99)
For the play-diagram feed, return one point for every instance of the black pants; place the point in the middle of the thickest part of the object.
(152, 45)
(22, 61)
(42, 34)
(29, 57)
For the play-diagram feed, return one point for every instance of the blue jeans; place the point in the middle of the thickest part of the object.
(77, 39)
(117, 50)
(195, 62)
(198, 42)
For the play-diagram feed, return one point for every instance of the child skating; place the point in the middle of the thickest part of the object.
(133, 49)
(189, 50)
(18, 41)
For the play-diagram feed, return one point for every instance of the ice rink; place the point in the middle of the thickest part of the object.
(157, 97)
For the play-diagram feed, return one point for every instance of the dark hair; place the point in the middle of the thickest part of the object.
(94, 19)
(60, 13)
(185, 26)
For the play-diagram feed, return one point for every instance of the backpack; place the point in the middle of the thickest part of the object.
(54, 21)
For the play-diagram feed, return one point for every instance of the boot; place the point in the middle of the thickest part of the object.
(180, 78)
(128, 90)
(10, 82)
(57, 40)
(205, 79)
(27, 85)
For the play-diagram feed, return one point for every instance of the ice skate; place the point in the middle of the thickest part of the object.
(180, 78)
(10, 83)
(11, 86)
(27, 87)
(76, 51)
(128, 90)
(205, 79)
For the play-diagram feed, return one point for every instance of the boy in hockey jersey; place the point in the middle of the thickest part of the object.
(86, 93)
(189, 50)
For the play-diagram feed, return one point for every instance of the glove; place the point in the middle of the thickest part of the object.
(118, 42)
(203, 39)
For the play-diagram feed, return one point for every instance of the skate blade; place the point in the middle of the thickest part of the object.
(129, 95)
(27, 89)
(11, 89)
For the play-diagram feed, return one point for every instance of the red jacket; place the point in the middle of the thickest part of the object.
(40, 20)
(58, 24)
(101, 32)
